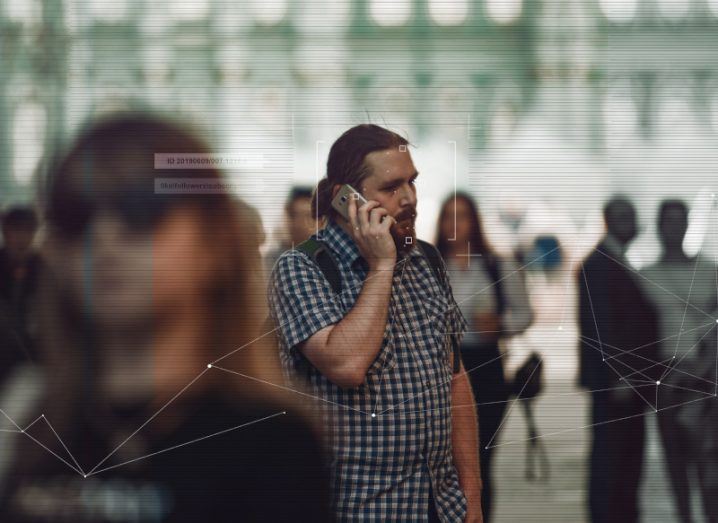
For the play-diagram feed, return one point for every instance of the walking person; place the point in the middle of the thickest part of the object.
(492, 295)
(683, 290)
(375, 341)
(618, 329)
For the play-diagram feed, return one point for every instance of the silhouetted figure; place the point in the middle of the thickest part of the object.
(299, 223)
(683, 290)
(618, 336)
(19, 266)
(492, 295)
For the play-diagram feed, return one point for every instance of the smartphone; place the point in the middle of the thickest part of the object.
(341, 200)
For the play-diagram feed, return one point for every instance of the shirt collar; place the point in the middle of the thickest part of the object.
(343, 245)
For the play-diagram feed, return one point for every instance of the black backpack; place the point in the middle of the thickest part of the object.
(317, 251)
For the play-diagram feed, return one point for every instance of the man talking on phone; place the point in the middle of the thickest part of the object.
(367, 321)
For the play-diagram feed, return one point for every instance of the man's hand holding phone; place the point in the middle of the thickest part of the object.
(371, 230)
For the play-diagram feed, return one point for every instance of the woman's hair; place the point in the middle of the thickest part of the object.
(119, 152)
(346, 163)
(477, 239)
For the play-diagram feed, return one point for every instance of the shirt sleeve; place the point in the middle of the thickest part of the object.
(301, 300)
(518, 315)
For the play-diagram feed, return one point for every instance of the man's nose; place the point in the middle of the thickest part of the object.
(408, 196)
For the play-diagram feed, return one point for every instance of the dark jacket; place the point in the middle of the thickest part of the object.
(617, 322)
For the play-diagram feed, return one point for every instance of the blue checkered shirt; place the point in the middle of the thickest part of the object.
(391, 436)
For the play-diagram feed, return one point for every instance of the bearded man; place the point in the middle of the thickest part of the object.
(379, 354)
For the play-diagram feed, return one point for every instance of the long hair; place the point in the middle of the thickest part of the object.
(114, 152)
(346, 163)
(477, 238)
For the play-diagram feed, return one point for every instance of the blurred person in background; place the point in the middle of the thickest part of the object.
(618, 329)
(141, 291)
(299, 223)
(683, 290)
(19, 268)
(492, 295)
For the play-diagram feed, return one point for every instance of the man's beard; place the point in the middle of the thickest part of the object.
(403, 230)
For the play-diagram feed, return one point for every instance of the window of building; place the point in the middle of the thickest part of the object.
(504, 11)
(619, 10)
(268, 12)
(674, 9)
(189, 10)
(108, 10)
(449, 12)
(27, 12)
(390, 12)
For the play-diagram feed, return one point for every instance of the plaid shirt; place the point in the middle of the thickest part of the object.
(391, 436)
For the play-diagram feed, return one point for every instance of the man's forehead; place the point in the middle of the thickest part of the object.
(391, 163)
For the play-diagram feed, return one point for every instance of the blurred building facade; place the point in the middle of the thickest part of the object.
(557, 101)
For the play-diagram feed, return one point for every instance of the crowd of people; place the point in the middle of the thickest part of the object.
(361, 378)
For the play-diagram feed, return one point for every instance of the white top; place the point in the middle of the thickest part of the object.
(474, 292)
(670, 285)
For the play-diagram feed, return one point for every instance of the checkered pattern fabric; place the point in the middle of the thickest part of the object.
(391, 436)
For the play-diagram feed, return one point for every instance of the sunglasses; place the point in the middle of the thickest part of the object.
(141, 210)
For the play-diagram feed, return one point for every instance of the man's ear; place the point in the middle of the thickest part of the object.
(335, 190)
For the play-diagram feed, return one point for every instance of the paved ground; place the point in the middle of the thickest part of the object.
(562, 413)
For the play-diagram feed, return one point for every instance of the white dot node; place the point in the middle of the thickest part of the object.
(373, 414)
(658, 382)
(209, 365)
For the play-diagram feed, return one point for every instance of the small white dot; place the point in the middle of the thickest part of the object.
(84, 475)
(658, 382)
(209, 365)
(373, 415)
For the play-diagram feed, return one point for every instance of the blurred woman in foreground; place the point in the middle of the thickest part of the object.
(143, 291)
(492, 296)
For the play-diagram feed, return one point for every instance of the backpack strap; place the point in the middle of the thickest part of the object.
(434, 257)
(437, 265)
(319, 254)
